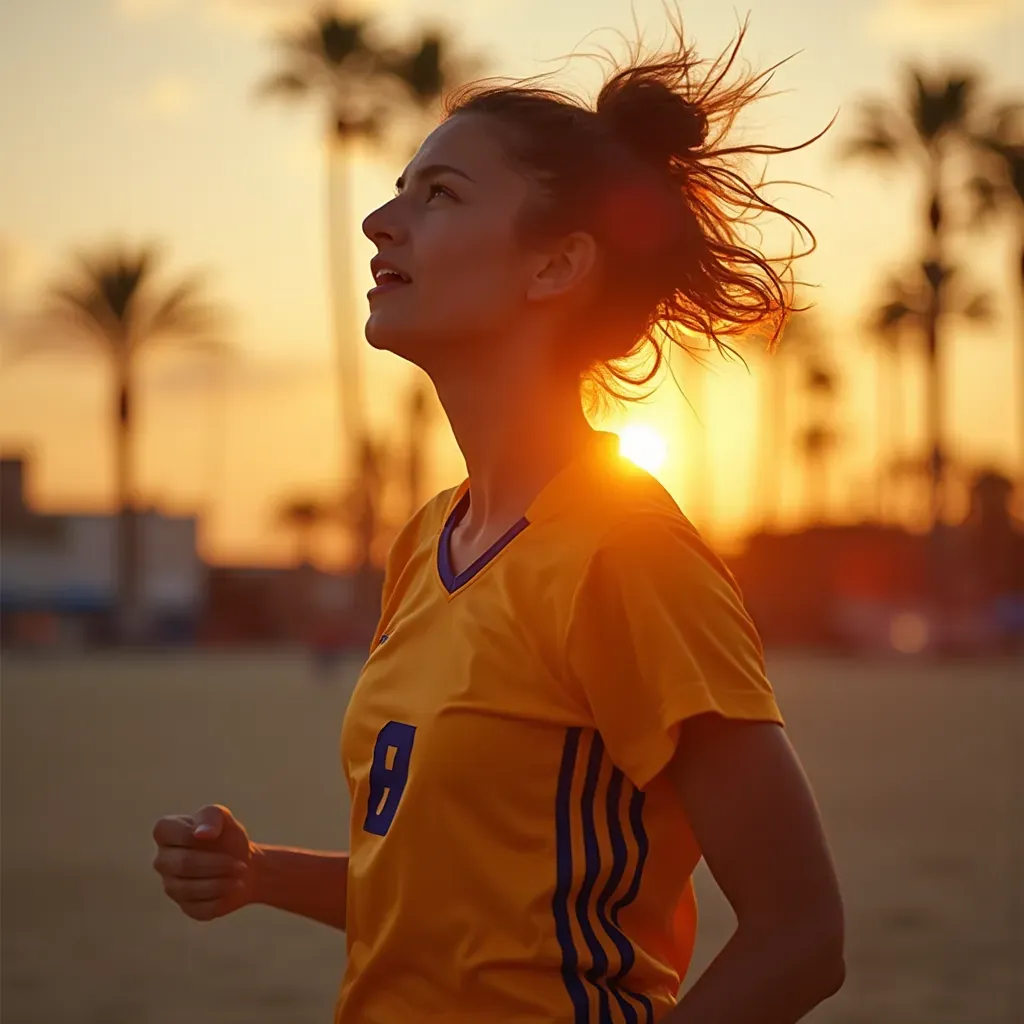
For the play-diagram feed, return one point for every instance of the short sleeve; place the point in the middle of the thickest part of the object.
(658, 633)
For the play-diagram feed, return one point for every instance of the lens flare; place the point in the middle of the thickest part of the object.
(643, 446)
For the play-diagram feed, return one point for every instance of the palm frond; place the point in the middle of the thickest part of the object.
(113, 296)
(879, 137)
(820, 379)
(979, 309)
(902, 306)
(938, 107)
(81, 306)
(1008, 123)
(181, 311)
(287, 84)
(986, 196)
(430, 68)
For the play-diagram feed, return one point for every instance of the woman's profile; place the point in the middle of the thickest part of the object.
(565, 706)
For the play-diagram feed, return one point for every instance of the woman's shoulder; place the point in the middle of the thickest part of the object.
(623, 504)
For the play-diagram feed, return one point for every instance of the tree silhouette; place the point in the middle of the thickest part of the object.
(367, 89)
(900, 317)
(802, 334)
(935, 117)
(818, 439)
(331, 61)
(891, 330)
(424, 73)
(1002, 191)
(700, 482)
(303, 515)
(113, 300)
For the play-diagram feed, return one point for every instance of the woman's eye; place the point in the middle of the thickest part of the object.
(438, 190)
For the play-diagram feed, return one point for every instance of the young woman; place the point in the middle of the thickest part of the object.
(565, 706)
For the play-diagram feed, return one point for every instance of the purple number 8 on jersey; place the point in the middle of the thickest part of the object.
(387, 782)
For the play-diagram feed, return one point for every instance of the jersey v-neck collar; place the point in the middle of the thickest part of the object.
(552, 497)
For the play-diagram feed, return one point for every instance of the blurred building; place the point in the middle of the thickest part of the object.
(58, 572)
(872, 588)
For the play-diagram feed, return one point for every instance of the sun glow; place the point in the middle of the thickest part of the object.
(643, 446)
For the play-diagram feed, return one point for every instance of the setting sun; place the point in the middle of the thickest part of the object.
(644, 446)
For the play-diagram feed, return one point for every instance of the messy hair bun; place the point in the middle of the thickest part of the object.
(656, 122)
(648, 170)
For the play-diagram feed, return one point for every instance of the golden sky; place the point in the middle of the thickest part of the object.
(135, 119)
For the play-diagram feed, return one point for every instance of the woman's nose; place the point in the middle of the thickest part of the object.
(382, 225)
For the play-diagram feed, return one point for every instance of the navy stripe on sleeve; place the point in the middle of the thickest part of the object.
(560, 904)
(592, 868)
(636, 807)
(620, 858)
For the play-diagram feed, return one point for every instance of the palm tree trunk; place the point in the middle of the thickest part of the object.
(303, 544)
(126, 527)
(417, 445)
(934, 270)
(773, 444)
(812, 490)
(933, 407)
(351, 420)
(821, 487)
(1020, 380)
(884, 385)
(700, 485)
(898, 413)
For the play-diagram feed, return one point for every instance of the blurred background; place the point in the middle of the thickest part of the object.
(202, 464)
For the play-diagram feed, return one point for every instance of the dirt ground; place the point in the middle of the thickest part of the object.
(917, 769)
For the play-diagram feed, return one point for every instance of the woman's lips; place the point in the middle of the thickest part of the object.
(388, 284)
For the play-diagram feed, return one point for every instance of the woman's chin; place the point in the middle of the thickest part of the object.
(379, 335)
(391, 338)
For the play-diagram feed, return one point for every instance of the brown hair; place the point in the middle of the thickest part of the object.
(647, 171)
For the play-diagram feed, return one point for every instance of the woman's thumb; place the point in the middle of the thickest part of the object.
(208, 823)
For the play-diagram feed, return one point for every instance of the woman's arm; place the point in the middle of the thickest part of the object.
(310, 883)
(756, 822)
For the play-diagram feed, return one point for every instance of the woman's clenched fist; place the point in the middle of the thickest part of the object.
(204, 861)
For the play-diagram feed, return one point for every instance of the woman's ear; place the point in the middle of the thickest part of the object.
(567, 266)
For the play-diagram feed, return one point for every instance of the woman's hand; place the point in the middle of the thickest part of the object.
(205, 862)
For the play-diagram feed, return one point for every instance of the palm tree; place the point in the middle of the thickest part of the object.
(1003, 190)
(303, 515)
(818, 439)
(419, 415)
(424, 73)
(114, 300)
(816, 444)
(700, 487)
(888, 331)
(905, 307)
(802, 334)
(934, 117)
(365, 89)
(331, 60)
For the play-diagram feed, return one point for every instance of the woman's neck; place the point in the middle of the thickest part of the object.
(515, 431)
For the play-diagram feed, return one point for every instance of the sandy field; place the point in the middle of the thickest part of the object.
(917, 768)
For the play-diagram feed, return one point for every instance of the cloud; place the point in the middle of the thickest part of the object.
(902, 19)
(168, 96)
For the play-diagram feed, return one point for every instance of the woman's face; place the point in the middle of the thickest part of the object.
(466, 279)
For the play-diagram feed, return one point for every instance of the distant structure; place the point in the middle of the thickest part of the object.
(881, 589)
(58, 572)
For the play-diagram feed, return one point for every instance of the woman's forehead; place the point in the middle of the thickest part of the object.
(467, 142)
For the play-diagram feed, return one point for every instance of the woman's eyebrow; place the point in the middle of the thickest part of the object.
(431, 169)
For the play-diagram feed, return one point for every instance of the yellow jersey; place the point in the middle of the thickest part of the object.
(516, 853)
